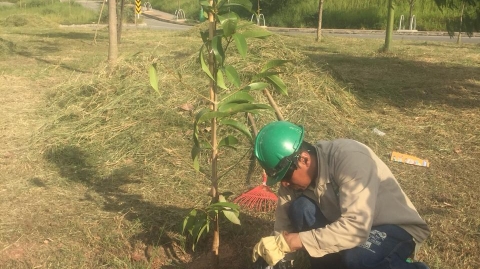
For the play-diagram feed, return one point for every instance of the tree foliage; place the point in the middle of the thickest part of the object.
(468, 19)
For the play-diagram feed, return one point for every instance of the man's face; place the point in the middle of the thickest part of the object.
(301, 177)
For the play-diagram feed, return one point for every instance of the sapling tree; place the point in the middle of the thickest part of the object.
(230, 97)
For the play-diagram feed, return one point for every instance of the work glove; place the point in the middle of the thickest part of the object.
(271, 248)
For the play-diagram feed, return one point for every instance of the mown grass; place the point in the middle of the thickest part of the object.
(96, 168)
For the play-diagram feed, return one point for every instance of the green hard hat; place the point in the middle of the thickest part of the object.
(275, 147)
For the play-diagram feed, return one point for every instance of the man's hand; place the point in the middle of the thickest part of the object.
(271, 248)
(293, 240)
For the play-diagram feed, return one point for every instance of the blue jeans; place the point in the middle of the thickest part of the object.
(387, 247)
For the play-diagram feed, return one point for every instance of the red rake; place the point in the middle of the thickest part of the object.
(260, 198)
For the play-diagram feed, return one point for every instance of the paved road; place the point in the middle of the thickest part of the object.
(417, 37)
(161, 25)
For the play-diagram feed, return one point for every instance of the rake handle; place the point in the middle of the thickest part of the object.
(273, 104)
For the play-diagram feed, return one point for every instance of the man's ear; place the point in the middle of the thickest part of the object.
(304, 158)
(284, 183)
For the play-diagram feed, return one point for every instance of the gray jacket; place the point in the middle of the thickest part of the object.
(364, 193)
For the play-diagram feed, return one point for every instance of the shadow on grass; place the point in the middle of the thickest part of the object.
(70, 35)
(160, 224)
(64, 66)
(404, 84)
(43, 46)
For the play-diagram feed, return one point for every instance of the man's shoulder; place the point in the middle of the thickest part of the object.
(341, 144)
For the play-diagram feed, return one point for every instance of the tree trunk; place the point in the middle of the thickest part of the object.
(389, 32)
(120, 22)
(319, 28)
(112, 33)
(459, 39)
(213, 98)
(410, 15)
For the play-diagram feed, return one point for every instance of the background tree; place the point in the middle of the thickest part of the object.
(120, 22)
(320, 14)
(389, 32)
(411, 4)
(468, 20)
(112, 33)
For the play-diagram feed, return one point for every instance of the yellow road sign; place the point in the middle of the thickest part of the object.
(138, 6)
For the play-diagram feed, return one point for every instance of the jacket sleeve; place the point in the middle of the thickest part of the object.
(282, 221)
(358, 181)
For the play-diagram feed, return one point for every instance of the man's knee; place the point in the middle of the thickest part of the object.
(303, 213)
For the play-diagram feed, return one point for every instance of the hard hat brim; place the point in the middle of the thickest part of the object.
(278, 177)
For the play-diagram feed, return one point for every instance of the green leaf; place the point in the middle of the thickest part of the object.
(272, 64)
(256, 33)
(188, 221)
(227, 16)
(218, 49)
(205, 67)
(239, 126)
(228, 141)
(152, 73)
(206, 6)
(232, 75)
(211, 115)
(230, 210)
(229, 22)
(243, 3)
(231, 216)
(201, 113)
(229, 27)
(195, 154)
(256, 86)
(238, 97)
(220, 80)
(221, 198)
(221, 3)
(198, 229)
(241, 44)
(233, 108)
(202, 229)
(278, 84)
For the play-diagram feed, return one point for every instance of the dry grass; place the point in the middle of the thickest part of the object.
(96, 169)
